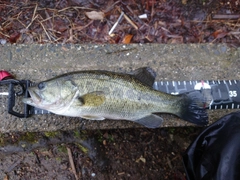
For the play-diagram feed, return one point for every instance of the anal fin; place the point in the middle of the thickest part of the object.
(151, 121)
(92, 117)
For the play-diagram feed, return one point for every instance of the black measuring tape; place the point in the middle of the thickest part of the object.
(225, 94)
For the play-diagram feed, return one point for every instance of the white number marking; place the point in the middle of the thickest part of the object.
(233, 93)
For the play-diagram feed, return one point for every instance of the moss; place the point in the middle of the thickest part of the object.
(83, 149)
(29, 137)
(77, 134)
(80, 134)
(51, 134)
(110, 138)
(32, 154)
(59, 159)
(62, 148)
(100, 136)
(171, 130)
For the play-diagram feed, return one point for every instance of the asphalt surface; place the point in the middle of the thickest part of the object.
(171, 62)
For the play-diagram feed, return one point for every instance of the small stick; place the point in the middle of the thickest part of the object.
(45, 30)
(134, 15)
(116, 23)
(75, 8)
(33, 17)
(4, 34)
(226, 16)
(70, 39)
(79, 28)
(152, 11)
(72, 163)
(128, 19)
(111, 7)
(21, 23)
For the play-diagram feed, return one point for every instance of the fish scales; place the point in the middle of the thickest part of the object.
(122, 93)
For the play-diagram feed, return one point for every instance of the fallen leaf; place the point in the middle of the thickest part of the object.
(94, 15)
(14, 37)
(127, 39)
(219, 34)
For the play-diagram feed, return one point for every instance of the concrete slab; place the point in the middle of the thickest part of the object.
(171, 62)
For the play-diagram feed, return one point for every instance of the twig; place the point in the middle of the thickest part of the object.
(4, 35)
(152, 11)
(129, 20)
(52, 36)
(116, 23)
(93, 3)
(111, 7)
(75, 8)
(234, 33)
(21, 23)
(10, 20)
(134, 15)
(33, 17)
(14, 165)
(45, 30)
(72, 163)
(226, 16)
(79, 28)
(70, 39)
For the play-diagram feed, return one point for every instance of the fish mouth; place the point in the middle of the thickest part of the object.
(34, 99)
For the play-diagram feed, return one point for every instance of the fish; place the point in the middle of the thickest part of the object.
(99, 95)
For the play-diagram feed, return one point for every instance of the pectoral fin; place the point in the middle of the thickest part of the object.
(95, 98)
(151, 121)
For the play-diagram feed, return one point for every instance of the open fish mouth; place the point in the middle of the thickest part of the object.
(34, 98)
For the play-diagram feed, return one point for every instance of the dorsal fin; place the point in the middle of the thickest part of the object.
(146, 75)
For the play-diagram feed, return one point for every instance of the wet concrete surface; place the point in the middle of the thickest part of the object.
(171, 62)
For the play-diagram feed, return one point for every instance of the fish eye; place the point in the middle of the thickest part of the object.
(41, 85)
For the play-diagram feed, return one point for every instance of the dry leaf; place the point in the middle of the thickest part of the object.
(94, 15)
(14, 37)
(219, 34)
(127, 39)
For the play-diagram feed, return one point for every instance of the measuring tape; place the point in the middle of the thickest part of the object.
(225, 93)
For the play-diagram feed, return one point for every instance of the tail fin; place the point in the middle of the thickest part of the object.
(193, 107)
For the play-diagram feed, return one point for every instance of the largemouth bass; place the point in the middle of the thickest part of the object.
(97, 95)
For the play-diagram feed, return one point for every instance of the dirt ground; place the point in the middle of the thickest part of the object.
(104, 154)
(109, 154)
